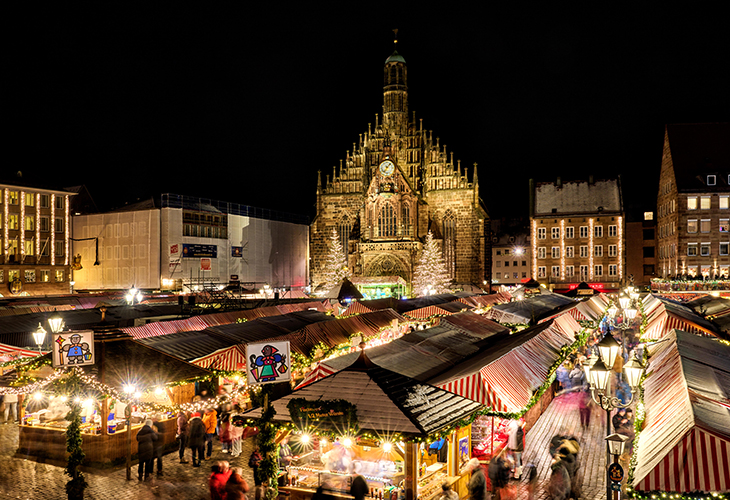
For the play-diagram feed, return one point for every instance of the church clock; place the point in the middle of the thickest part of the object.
(387, 168)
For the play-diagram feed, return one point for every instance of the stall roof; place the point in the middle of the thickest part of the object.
(709, 305)
(387, 402)
(686, 436)
(187, 345)
(529, 309)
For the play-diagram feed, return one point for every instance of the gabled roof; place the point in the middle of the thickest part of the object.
(699, 149)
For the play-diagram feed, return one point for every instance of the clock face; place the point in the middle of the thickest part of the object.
(387, 167)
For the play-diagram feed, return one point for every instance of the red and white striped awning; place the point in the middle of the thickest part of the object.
(356, 308)
(320, 371)
(227, 359)
(677, 452)
(11, 353)
(427, 312)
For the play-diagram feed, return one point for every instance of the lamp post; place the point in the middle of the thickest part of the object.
(599, 376)
(56, 323)
(134, 295)
(40, 337)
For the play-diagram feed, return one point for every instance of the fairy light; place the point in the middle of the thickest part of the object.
(534, 247)
(38, 226)
(66, 235)
(590, 249)
(53, 229)
(562, 249)
(21, 226)
(620, 248)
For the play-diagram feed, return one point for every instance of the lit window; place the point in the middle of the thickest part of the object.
(705, 202)
(29, 247)
(724, 224)
(29, 275)
(705, 225)
(13, 197)
(691, 225)
(711, 180)
(45, 276)
(29, 223)
(691, 203)
(29, 200)
(59, 275)
(724, 202)
(13, 221)
(648, 215)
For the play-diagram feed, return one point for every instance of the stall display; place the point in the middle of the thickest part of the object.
(485, 442)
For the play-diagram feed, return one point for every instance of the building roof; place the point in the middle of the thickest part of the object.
(577, 197)
(395, 57)
(699, 149)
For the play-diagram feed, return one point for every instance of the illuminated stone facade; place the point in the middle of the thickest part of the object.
(396, 184)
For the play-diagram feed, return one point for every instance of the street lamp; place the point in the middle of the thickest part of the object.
(40, 337)
(133, 295)
(56, 323)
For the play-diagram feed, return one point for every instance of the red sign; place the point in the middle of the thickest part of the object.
(205, 264)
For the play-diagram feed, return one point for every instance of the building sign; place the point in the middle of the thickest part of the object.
(73, 349)
(175, 254)
(323, 414)
(268, 362)
(190, 250)
(205, 264)
(236, 251)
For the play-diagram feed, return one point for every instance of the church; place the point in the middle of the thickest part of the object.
(396, 185)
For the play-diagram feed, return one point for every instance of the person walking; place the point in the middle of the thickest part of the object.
(584, 408)
(499, 468)
(254, 461)
(236, 486)
(11, 406)
(237, 426)
(218, 479)
(182, 434)
(146, 438)
(210, 421)
(516, 445)
(478, 481)
(196, 438)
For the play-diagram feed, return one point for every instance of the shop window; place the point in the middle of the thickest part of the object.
(45, 276)
(2, 275)
(30, 275)
(13, 274)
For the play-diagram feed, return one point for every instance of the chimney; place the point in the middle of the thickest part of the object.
(559, 183)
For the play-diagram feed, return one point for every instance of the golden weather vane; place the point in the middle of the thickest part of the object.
(395, 36)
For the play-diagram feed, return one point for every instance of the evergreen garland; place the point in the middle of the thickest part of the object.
(76, 485)
(268, 469)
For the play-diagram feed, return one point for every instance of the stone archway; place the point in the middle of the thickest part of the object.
(387, 265)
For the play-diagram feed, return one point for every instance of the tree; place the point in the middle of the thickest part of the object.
(430, 275)
(335, 269)
(76, 485)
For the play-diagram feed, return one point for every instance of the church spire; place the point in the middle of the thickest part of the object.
(395, 89)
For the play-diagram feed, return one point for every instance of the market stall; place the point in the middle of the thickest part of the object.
(684, 446)
(121, 362)
(379, 424)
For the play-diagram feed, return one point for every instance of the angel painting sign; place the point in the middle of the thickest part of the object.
(268, 362)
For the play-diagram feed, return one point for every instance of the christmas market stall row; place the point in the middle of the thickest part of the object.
(370, 421)
(118, 383)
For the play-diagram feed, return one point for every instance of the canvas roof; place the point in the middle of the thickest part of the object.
(529, 309)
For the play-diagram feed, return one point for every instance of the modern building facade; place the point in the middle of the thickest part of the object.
(511, 255)
(577, 232)
(397, 184)
(35, 246)
(693, 203)
(183, 242)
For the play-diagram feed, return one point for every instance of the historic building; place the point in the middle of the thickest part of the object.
(398, 183)
(693, 203)
(577, 231)
(511, 248)
(34, 239)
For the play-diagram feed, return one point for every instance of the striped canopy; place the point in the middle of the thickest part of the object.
(10, 352)
(685, 444)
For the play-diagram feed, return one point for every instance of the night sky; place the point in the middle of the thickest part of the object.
(247, 105)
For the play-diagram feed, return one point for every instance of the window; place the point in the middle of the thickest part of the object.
(648, 252)
(45, 223)
(406, 219)
(555, 233)
(570, 232)
(45, 249)
(29, 247)
(13, 274)
(555, 271)
(584, 251)
(569, 271)
(692, 249)
(724, 225)
(555, 253)
(524, 274)
(648, 215)
(13, 221)
(13, 197)
(514, 276)
(58, 224)
(59, 275)
(598, 251)
(541, 272)
(583, 273)
(29, 200)
(724, 202)
(524, 262)
(386, 221)
(45, 276)
(498, 275)
(612, 250)
(45, 201)
(612, 231)
(584, 231)
(449, 245)
(2, 275)
(724, 248)
(612, 270)
(541, 251)
(570, 252)
(691, 225)
(691, 203)
(705, 249)
(705, 202)
(59, 248)
(648, 234)
(598, 231)
(506, 263)
(711, 180)
(345, 228)
(705, 225)
(541, 233)
(648, 269)
(598, 270)
(498, 263)
(29, 223)
(506, 251)
(59, 202)
(29, 275)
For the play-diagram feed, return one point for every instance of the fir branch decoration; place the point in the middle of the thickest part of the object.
(76, 485)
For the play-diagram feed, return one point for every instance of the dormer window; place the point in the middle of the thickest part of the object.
(711, 180)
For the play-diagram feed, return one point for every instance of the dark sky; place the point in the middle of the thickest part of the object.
(246, 105)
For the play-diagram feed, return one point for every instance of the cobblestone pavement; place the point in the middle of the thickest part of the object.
(26, 479)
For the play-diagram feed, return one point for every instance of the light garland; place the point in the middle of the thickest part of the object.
(590, 249)
(53, 229)
(38, 227)
(21, 226)
(66, 235)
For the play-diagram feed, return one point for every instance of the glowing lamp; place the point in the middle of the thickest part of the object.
(616, 443)
(56, 323)
(600, 376)
(304, 438)
(128, 388)
(630, 313)
(37, 396)
(609, 349)
(387, 447)
(633, 369)
(347, 442)
(624, 301)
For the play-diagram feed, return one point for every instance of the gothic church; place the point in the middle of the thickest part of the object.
(395, 186)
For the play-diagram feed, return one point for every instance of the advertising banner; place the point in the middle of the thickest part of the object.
(205, 264)
(73, 349)
(190, 250)
(268, 362)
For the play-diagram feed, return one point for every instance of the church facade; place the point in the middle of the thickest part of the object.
(396, 185)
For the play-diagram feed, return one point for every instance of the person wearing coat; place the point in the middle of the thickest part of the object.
(196, 438)
(211, 421)
(146, 438)
(478, 482)
(159, 450)
(236, 486)
(182, 434)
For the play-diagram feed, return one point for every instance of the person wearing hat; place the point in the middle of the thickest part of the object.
(146, 438)
(196, 438)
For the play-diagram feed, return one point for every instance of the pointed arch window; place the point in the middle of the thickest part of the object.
(406, 219)
(386, 220)
(345, 228)
(449, 226)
